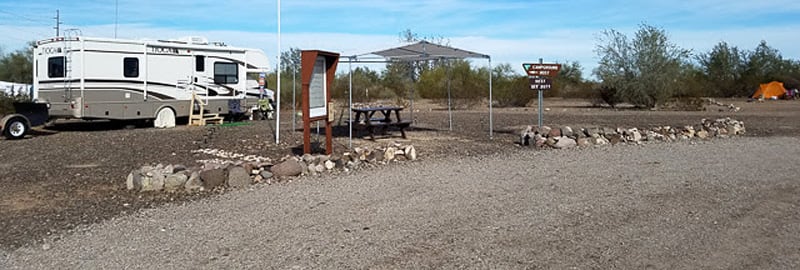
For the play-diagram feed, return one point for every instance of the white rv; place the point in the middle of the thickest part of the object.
(97, 78)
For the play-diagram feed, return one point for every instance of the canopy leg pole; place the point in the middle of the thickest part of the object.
(449, 98)
(294, 97)
(411, 79)
(278, 79)
(491, 124)
(350, 105)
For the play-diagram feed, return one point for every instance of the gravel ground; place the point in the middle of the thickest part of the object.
(721, 204)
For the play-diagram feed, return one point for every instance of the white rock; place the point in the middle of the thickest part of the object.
(599, 140)
(410, 152)
(329, 165)
(565, 142)
(129, 180)
(389, 154)
(636, 136)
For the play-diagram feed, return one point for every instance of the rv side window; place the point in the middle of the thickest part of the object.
(199, 63)
(55, 67)
(226, 73)
(130, 67)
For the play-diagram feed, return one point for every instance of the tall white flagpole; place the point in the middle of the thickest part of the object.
(278, 79)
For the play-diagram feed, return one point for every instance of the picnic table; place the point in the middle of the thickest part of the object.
(367, 120)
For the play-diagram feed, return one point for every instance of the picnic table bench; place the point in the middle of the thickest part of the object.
(366, 120)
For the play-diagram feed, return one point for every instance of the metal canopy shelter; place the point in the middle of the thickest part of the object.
(420, 51)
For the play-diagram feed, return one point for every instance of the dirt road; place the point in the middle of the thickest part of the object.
(725, 204)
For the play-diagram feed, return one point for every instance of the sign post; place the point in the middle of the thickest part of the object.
(541, 76)
(317, 72)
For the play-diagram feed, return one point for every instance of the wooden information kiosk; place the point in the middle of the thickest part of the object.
(318, 70)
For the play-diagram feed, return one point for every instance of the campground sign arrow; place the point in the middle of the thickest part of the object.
(547, 70)
(541, 75)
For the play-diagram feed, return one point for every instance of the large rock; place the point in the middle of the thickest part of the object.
(330, 164)
(410, 152)
(175, 181)
(599, 140)
(308, 158)
(544, 130)
(583, 142)
(153, 180)
(133, 177)
(565, 142)
(555, 132)
(526, 135)
(567, 131)
(213, 178)
(614, 138)
(551, 141)
(289, 167)
(310, 169)
(238, 177)
(387, 156)
(144, 183)
(736, 129)
(591, 132)
(633, 135)
(637, 136)
(194, 183)
(539, 140)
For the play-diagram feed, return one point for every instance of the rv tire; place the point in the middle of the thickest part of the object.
(15, 127)
(165, 118)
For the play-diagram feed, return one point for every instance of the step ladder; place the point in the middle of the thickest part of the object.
(201, 118)
(67, 67)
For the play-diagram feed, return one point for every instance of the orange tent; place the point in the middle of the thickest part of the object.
(769, 90)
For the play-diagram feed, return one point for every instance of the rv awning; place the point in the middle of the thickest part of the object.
(257, 62)
(423, 51)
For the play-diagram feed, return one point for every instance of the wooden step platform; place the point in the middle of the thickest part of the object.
(205, 119)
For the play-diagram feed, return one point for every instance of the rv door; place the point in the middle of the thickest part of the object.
(199, 67)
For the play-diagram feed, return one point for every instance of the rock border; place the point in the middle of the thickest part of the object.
(566, 137)
(233, 170)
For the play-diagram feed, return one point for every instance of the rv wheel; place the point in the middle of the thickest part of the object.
(15, 128)
(165, 118)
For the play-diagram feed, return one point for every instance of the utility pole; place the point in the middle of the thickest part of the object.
(58, 22)
(278, 77)
(116, 17)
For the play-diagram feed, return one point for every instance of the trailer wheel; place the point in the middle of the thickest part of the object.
(16, 128)
(165, 118)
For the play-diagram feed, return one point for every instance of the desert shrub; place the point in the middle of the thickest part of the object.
(642, 70)
(608, 95)
(509, 88)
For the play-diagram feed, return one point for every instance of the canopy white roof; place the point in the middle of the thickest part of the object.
(423, 51)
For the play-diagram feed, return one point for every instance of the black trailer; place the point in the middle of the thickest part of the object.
(27, 114)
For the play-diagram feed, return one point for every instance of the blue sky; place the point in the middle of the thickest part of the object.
(511, 31)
